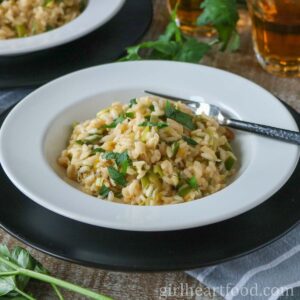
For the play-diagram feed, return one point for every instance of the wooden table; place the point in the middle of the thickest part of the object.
(142, 285)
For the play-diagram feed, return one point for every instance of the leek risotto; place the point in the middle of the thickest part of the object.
(22, 18)
(149, 152)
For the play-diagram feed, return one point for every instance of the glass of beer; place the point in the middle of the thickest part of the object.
(188, 12)
(276, 35)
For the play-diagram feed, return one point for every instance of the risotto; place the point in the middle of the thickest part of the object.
(21, 18)
(149, 152)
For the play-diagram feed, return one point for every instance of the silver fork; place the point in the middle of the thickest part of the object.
(285, 135)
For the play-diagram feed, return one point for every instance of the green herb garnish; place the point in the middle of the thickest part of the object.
(122, 159)
(151, 107)
(190, 141)
(230, 161)
(174, 45)
(223, 15)
(18, 267)
(130, 115)
(116, 176)
(115, 122)
(104, 191)
(179, 116)
(153, 124)
(184, 190)
(192, 182)
(175, 148)
(89, 139)
(98, 150)
(132, 102)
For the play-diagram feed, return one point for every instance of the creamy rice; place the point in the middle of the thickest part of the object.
(149, 152)
(21, 18)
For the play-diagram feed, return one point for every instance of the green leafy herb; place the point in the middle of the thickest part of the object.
(132, 102)
(122, 159)
(98, 150)
(171, 45)
(115, 122)
(130, 115)
(223, 15)
(184, 190)
(175, 148)
(190, 141)
(174, 45)
(153, 124)
(230, 161)
(91, 139)
(151, 107)
(192, 182)
(18, 267)
(104, 191)
(116, 176)
(179, 116)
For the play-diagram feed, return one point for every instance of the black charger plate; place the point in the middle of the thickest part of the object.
(104, 45)
(149, 251)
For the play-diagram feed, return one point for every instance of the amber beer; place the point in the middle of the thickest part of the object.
(188, 12)
(276, 35)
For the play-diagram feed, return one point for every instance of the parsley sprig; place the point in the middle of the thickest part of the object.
(18, 267)
(174, 45)
(179, 116)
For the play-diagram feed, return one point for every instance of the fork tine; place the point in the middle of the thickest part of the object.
(191, 102)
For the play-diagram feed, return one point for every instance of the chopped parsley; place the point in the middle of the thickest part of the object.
(179, 116)
(192, 182)
(190, 141)
(115, 122)
(153, 124)
(116, 176)
(98, 150)
(132, 102)
(104, 191)
(122, 159)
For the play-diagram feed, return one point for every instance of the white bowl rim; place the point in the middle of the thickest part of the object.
(159, 218)
(96, 14)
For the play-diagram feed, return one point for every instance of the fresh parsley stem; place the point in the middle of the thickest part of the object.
(53, 281)
(63, 284)
(214, 42)
(24, 294)
(10, 273)
(57, 292)
(8, 263)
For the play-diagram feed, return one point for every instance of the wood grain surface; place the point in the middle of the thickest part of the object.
(141, 286)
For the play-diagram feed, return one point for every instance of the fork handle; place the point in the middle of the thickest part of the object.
(272, 132)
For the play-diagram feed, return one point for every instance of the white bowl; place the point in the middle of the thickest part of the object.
(38, 128)
(95, 14)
